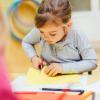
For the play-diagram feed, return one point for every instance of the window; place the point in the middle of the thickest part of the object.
(99, 4)
(81, 5)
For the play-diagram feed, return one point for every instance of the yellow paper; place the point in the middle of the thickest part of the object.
(38, 77)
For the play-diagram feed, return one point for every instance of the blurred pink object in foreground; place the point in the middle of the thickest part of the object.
(5, 88)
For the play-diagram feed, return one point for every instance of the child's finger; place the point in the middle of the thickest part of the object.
(36, 67)
(43, 69)
(48, 69)
(44, 63)
(51, 72)
(55, 73)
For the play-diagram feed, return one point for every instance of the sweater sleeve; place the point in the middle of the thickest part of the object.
(29, 40)
(88, 62)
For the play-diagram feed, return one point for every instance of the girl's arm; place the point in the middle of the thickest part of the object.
(88, 62)
(29, 40)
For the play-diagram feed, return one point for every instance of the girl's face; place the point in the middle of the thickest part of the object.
(53, 33)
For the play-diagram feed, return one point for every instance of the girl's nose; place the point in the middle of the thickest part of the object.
(47, 36)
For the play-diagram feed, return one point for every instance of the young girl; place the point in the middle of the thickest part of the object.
(64, 50)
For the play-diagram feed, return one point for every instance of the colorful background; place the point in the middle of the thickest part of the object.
(17, 19)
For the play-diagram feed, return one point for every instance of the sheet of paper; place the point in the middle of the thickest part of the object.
(19, 84)
(37, 77)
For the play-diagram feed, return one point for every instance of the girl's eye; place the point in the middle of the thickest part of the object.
(52, 34)
(41, 32)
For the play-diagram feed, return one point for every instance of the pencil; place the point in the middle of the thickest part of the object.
(64, 90)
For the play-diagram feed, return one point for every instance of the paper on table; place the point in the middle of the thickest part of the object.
(38, 77)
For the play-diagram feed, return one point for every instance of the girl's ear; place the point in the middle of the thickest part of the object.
(69, 24)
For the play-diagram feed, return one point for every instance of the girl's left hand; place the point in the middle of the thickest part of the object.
(53, 69)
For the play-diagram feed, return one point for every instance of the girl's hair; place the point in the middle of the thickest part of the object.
(53, 10)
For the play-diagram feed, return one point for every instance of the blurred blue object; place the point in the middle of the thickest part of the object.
(21, 18)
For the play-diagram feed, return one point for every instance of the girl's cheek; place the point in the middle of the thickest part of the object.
(59, 37)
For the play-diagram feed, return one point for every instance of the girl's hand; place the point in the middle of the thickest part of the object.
(37, 62)
(53, 69)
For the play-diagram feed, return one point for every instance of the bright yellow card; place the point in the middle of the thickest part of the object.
(35, 77)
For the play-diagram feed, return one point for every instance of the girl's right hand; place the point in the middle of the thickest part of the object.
(37, 62)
